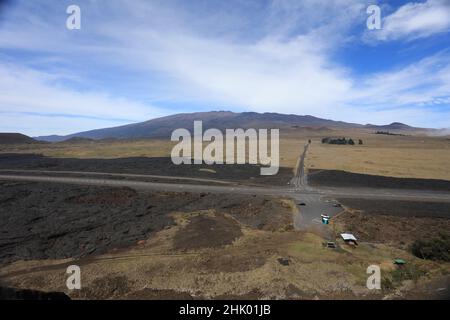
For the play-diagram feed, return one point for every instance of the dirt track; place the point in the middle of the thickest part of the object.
(299, 180)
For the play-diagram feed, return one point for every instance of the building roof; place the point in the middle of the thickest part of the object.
(348, 236)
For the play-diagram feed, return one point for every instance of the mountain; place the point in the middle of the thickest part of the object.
(52, 138)
(163, 127)
(16, 138)
(75, 140)
(392, 126)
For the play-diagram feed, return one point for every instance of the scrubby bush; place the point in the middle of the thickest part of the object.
(407, 272)
(394, 279)
(433, 249)
(341, 141)
(389, 133)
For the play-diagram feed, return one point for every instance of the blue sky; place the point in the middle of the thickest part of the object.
(136, 60)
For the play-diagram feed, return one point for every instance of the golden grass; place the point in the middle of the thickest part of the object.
(98, 149)
(290, 148)
(397, 156)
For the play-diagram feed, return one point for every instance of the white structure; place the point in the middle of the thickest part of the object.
(348, 237)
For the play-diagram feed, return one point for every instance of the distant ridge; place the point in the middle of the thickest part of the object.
(163, 127)
(392, 126)
(16, 138)
(75, 140)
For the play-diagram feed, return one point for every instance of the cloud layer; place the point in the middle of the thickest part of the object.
(416, 20)
(129, 62)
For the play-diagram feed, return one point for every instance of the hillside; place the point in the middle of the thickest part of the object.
(392, 126)
(16, 138)
(163, 127)
(75, 140)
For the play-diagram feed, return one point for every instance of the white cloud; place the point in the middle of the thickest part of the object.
(268, 75)
(425, 81)
(26, 91)
(44, 124)
(278, 59)
(293, 75)
(415, 20)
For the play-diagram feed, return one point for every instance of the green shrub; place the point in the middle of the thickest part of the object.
(407, 272)
(402, 273)
(433, 249)
(386, 284)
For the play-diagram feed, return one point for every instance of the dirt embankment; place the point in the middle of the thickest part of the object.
(336, 178)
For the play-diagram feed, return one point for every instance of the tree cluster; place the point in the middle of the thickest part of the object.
(341, 141)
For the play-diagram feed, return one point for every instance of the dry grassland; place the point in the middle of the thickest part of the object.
(397, 156)
(107, 149)
(290, 148)
(248, 268)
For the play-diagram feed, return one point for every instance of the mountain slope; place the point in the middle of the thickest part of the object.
(392, 126)
(163, 127)
(16, 138)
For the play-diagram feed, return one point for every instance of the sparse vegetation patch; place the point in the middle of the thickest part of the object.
(341, 141)
(389, 133)
(437, 248)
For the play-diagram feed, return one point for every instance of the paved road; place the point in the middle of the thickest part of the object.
(144, 185)
(369, 193)
(125, 175)
(312, 202)
(310, 213)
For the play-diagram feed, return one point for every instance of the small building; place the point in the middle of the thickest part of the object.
(349, 239)
(325, 218)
